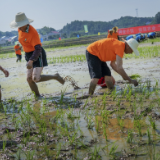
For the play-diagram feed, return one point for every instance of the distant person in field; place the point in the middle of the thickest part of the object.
(35, 55)
(109, 49)
(110, 33)
(17, 49)
(6, 73)
(113, 33)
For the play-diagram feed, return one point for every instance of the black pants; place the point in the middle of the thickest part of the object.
(97, 68)
(41, 61)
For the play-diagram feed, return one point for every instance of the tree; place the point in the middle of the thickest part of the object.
(45, 30)
(64, 35)
(157, 18)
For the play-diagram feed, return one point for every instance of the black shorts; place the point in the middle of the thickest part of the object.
(97, 68)
(41, 61)
(19, 56)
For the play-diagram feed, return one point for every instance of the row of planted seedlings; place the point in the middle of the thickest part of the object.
(128, 120)
(42, 131)
(145, 52)
(67, 59)
(116, 125)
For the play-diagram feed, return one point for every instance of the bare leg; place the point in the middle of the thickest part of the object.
(31, 83)
(109, 82)
(37, 77)
(92, 86)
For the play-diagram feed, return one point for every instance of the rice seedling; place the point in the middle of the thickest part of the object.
(152, 153)
(104, 115)
(95, 154)
(130, 136)
(135, 76)
(139, 127)
(97, 124)
(112, 152)
(4, 145)
(47, 151)
(29, 154)
(18, 154)
(149, 137)
(90, 124)
(152, 122)
(104, 132)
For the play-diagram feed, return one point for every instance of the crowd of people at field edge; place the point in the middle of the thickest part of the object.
(97, 54)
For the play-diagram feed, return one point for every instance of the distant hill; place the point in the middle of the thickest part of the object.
(77, 27)
(99, 26)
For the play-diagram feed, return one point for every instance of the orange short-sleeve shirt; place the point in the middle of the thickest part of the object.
(29, 39)
(107, 49)
(114, 35)
(19, 51)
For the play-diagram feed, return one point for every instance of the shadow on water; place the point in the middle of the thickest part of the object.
(64, 102)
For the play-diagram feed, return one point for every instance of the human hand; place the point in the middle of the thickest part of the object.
(6, 73)
(123, 39)
(134, 82)
(29, 65)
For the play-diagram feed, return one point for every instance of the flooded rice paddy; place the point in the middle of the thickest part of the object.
(67, 124)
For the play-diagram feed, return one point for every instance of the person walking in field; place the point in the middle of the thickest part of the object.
(35, 55)
(109, 49)
(113, 33)
(17, 49)
(6, 73)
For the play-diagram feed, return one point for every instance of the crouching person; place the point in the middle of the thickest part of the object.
(109, 49)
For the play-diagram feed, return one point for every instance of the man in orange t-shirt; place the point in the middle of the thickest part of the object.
(109, 49)
(17, 49)
(35, 55)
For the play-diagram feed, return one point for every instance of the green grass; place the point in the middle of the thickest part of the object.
(157, 39)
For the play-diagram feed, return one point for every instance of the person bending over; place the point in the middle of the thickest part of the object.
(109, 49)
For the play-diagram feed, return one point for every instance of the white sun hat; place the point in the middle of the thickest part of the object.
(20, 20)
(134, 45)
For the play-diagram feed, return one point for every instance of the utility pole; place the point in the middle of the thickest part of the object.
(137, 12)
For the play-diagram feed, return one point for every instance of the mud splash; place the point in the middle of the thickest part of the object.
(72, 81)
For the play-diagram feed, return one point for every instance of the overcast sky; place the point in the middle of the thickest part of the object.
(57, 13)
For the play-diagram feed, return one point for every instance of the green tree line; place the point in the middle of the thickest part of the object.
(77, 27)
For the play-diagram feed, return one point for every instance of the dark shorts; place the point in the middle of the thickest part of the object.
(41, 61)
(97, 68)
(19, 56)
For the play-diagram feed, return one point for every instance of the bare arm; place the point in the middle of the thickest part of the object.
(118, 67)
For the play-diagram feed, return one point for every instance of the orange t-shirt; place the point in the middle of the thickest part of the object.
(114, 35)
(29, 39)
(19, 51)
(107, 49)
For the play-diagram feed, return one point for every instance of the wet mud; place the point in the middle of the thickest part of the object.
(66, 123)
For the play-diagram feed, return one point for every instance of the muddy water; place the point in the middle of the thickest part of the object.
(16, 85)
